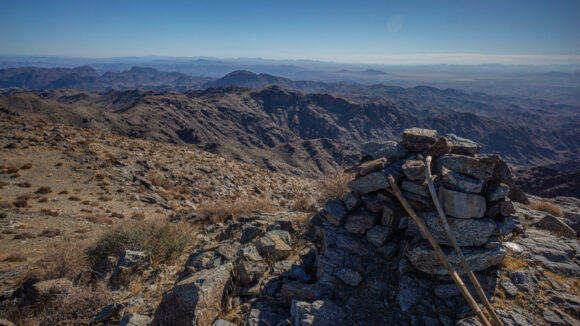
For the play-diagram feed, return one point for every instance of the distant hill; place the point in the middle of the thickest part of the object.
(284, 130)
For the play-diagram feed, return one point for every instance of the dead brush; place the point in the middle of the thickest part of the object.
(64, 259)
(333, 185)
(218, 211)
(546, 206)
(158, 180)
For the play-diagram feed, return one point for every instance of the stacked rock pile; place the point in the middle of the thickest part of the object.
(370, 251)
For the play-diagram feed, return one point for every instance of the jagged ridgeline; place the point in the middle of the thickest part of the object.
(370, 251)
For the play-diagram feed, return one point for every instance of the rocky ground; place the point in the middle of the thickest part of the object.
(357, 261)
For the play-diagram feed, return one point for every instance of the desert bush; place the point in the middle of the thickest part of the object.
(303, 204)
(164, 240)
(63, 259)
(333, 185)
(44, 190)
(15, 258)
(546, 206)
(49, 233)
(26, 166)
(158, 180)
(219, 210)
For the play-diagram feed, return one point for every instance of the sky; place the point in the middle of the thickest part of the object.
(377, 32)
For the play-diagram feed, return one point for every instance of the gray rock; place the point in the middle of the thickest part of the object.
(351, 201)
(248, 272)
(133, 319)
(497, 192)
(301, 291)
(440, 147)
(249, 233)
(565, 301)
(410, 291)
(510, 289)
(378, 235)
(501, 208)
(557, 317)
(467, 232)
(317, 313)
(228, 250)
(349, 276)
(258, 317)
(423, 258)
(524, 281)
(359, 221)
(249, 253)
(130, 264)
(202, 260)
(377, 180)
(273, 246)
(420, 188)
(414, 170)
(389, 250)
(555, 254)
(459, 182)
(197, 299)
(282, 267)
(335, 211)
(462, 205)
(417, 139)
(390, 217)
(505, 226)
(284, 235)
(472, 166)
(462, 146)
(371, 166)
(430, 321)
(555, 225)
(388, 149)
(222, 322)
(114, 311)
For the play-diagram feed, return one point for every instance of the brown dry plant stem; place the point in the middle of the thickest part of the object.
(421, 224)
(468, 271)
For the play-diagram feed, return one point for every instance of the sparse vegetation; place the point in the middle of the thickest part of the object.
(219, 210)
(333, 185)
(44, 190)
(14, 258)
(546, 206)
(49, 233)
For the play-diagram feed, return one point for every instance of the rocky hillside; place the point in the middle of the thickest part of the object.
(284, 130)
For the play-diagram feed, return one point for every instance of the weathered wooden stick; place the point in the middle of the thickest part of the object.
(468, 271)
(421, 224)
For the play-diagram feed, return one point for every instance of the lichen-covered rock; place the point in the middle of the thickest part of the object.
(371, 166)
(462, 146)
(388, 149)
(417, 139)
(197, 299)
(317, 313)
(459, 182)
(463, 205)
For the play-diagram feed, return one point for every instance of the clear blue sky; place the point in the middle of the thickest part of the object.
(430, 31)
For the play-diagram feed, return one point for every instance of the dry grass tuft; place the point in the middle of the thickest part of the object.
(219, 210)
(24, 236)
(158, 180)
(511, 263)
(303, 204)
(49, 233)
(333, 185)
(44, 190)
(14, 258)
(546, 206)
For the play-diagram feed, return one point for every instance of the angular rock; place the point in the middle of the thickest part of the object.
(502, 208)
(284, 235)
(410, 291)
(197, 299)
(349, 276)
(273, 246)
(467, 232)
(228, 250)
(248, 272)
(391, 217)
(371, 166)
(222, 322)
(389, 250)
(249, 233)
(440, 147)
(557, 317)
(283, 266)
(420, 188)
(359, 221)
(377, 180)
(258, 317)
(555, 225)
(350, 201)
(462, 145)
(481, 169)
(202, 260)
(497, 192)
(388, 149)
(417, 139)
(130, 264)
(301, 291)
(414, 170)
(463, 205)
(249, 253)
(352, 245)
(459, 182)
(335, 211)
(378, 235)
(423, 258)
(317, 313)
(132, 319)
(114, 311)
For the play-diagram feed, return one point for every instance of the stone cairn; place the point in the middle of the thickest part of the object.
(371, 254)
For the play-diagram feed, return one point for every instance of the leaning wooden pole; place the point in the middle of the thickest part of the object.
(468, 271)
(421, 224)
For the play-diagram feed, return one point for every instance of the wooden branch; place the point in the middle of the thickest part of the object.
(421, 224)
(497, 320)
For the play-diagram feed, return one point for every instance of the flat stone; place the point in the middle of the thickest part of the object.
(388, 149)
(378, 235)
(461, 145)
(414, 169)
(377, 180)
(467, 232)
(423, 258)
(420, 188)
(273, 246)
(248, 272)
(440, 147)
(371, 166)
(417, 139)
(482, 170)
(335, 211)
(203, 260)
(196, 300)
(228, 250)
(301, 291)
(349, 276)
(222, 322)
(282, 267)
(510, 289)
(249, 233)
(459, 182)
(259, 317)
(284, 235)
(132, 319)
(463, 205)
(497, 191)
(501, 208)
(359, 221)
(351, 201)
(249, 253)
(555, 225)
(317, 313)
(113, 311)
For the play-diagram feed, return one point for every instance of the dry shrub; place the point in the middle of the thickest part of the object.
(26, 166)
(219, 210)
(64, 259)
(44, 190)
(546, 206)
(333, 185)
(303, 204)
(49, 233)
(24, 236)
(14, 258)
(20, 203)
(158, 180)
(164, 240)
(99, 219)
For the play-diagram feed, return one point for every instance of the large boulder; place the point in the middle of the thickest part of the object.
(317, 313)
(417, 139)
(460, 204)
(196, 300)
